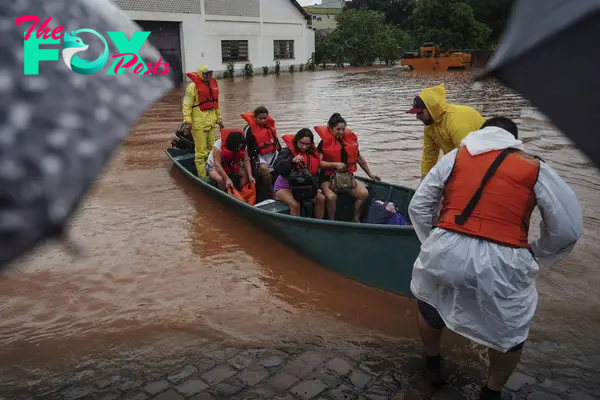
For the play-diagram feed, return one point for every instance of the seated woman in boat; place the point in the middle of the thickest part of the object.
(339, 152)
(262, 142)
(299, 155)
(226, 159)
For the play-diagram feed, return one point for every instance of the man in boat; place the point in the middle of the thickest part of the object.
(262, 143)
(201, 114)
(476, 270)
(445, 124)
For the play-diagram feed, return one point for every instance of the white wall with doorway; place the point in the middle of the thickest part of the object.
(220, 31)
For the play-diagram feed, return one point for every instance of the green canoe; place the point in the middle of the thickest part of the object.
(376, 255)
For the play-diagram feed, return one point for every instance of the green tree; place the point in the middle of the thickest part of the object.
(449, 23)
(361, 38)
(493, 13)
(396, 12)
(356, 31)
(321, 47)
(391, 42)
(328, 48)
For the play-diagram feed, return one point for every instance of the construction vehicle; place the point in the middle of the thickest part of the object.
(430, 57)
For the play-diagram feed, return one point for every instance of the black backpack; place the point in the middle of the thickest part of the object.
(302, 184)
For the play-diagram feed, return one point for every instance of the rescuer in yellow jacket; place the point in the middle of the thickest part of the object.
(446, 125)
(201, 114)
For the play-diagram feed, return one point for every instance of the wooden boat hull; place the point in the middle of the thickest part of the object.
(376, 255)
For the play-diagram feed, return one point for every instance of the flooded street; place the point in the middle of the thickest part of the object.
(165, 269)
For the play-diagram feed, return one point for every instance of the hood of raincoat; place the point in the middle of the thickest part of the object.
(490, 138)
(435, 101)
(196, 77)
(203, 68)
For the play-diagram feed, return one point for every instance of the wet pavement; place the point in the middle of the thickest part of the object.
(167, 274)
(308, 372)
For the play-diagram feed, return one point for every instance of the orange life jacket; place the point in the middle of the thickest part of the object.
(332, 149)
(311, 161)
(208, 94)
(265, 138)
(230, 160)
(502, 209)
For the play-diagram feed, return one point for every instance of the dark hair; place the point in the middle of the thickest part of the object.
(335, 119)
(234, 140)
(260, 110)
(503, 122)
(302, 133)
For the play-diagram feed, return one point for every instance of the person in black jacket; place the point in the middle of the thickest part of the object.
(299, 154)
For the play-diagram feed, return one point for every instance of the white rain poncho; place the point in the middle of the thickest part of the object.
(482, 290)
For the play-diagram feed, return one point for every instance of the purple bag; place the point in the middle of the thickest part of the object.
(377, 214)
(397, 219)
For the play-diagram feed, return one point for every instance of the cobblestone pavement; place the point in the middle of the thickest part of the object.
(307, 372)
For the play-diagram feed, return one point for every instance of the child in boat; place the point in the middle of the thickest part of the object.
(300, 154)
(339, 152)
(262, 142)
(229, 158)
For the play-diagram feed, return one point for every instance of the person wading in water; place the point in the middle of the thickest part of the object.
(476, 271)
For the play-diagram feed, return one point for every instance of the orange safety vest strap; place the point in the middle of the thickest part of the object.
(229, 158)
(312, 161)
(210, 100)
(194, 77)
(275, 145)
(204, 102)
(464, 216)
(255, 129)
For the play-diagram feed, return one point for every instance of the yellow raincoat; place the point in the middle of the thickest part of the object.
(451, 124)
(203, 124)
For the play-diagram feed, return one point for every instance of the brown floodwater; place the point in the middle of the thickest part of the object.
(165, 267)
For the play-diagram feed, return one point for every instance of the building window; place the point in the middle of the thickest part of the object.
(234, 50)
(283, 49)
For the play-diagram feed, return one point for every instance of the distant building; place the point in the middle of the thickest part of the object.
(323, 15)
(214, 32)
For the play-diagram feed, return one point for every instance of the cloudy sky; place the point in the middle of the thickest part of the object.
(308, 2)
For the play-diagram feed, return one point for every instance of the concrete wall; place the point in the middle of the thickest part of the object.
(205, 23)
(168, 6)
(240, 8)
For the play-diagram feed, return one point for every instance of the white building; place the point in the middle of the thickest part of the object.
(214, 32)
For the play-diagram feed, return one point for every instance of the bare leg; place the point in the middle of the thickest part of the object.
(502, 366)
(287, 197)
(243, 176)
(214, 175)
(360, 193)
(319, 201)
(331, 199)
(265, 177)
(431, 337)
